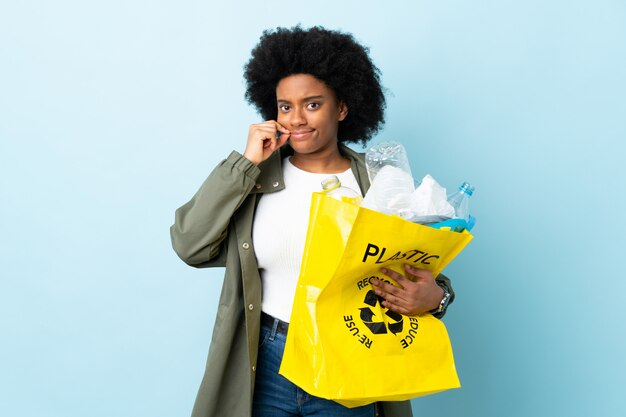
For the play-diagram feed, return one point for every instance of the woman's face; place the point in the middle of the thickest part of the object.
(311, 112)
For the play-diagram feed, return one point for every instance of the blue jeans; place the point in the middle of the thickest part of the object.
(275, 396)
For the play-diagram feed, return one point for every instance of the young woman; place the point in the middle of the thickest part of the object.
(316, 90)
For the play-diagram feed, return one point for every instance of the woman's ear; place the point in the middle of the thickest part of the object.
(343, 110)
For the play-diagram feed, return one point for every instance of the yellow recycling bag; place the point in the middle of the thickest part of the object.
(342, 344)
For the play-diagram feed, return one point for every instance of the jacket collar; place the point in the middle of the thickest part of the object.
(271, 177)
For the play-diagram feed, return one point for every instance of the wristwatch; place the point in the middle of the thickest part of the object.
(443, 304)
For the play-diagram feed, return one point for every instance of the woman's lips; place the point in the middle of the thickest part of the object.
(299, 134)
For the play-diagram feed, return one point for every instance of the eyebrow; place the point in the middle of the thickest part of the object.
(305, 99)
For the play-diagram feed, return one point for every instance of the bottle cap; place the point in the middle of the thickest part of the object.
(330, 183)
(467, 188)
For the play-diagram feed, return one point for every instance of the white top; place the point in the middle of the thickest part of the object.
(279, 232)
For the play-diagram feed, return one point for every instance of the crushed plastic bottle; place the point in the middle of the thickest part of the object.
(386, 154)
(333, 188)
(391, 180)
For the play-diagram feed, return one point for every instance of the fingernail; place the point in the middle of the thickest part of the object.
(383, 270)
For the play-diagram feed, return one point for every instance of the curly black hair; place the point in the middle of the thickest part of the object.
(333, 57)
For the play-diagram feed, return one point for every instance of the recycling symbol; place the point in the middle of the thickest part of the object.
(379, 327)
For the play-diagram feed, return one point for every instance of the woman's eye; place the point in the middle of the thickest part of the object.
(313, 106)
(283, 107)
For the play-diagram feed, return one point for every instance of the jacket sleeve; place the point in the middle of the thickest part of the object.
(201, 225)
(444, 282)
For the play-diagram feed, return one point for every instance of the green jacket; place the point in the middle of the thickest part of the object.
(215, 229)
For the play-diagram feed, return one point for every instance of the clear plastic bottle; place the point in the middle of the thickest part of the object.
(332, 187)
(386, 154)
(460, 201)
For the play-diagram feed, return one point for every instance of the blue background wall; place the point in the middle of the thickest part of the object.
(113, 112)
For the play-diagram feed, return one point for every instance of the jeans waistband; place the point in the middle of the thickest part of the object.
(277, 324)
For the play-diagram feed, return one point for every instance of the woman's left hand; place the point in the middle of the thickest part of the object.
(412, 297)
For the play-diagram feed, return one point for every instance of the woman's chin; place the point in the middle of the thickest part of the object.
(310, 145)
(302, 146)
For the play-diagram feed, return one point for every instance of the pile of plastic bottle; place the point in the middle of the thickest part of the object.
(392, 191)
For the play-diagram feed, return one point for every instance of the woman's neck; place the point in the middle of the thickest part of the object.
(331, 162)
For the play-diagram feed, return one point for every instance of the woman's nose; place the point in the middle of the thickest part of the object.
(297, 117)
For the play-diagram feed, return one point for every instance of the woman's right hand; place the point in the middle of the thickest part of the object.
(262, 140)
